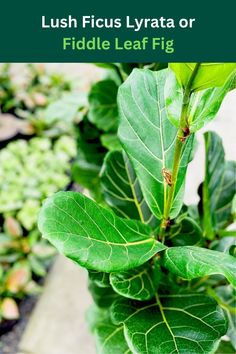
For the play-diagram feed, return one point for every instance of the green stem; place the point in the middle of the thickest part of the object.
(179, 144)
(220, 302)
(119, 73)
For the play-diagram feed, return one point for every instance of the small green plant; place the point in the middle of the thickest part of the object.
(162, 274)
(29, 172)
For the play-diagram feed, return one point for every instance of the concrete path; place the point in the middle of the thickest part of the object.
(57, 325)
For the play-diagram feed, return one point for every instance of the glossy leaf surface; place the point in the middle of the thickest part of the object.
(148, 138)
(138, 284)
(203, 105)
(192, 262)
(122, 190)
(208, 74)
(95, 237)
(184, 323)
(110, 339)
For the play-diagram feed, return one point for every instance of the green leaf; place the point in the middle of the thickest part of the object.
(225, 347)
(228, 295)
(184, 232)
(103, 111)
(86, 168)
(224, 244)
(208, 74)
(219, 187)
(184, 323)
(203, 105)
(122, 190)
(111, 142)
(99, 278)
(139, 283)
(192, 262)
(148, 138)
(96, 316)
(102, 296)
(110, 339)
(95, 237)
(66, 109)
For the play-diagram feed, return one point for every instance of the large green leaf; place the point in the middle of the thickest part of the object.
(139, 283)
(191, 262)
(103, 111)
(218, 188)
(203, 105)
(122, 190)
(208, 74)
(148, 137)
(184, 323)
(93, 236)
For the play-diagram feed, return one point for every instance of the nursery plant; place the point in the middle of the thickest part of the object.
(162, 274)
(29, 172)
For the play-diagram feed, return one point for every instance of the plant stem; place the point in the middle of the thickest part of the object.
(119, 73)
(179, 144)
(231, 309)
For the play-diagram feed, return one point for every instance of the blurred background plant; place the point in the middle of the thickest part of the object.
(37, 146)
(29, 172)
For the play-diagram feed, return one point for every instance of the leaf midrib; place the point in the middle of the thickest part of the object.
(101, 241)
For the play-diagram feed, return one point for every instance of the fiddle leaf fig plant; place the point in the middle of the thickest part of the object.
(161, 273)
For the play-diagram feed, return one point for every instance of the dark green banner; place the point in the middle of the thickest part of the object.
(120, 31)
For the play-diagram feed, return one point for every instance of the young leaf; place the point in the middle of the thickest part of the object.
(103, 111)
(110, 339)
(122, 190)
(203, 105)
(191, 262)
(218, 188)
(208, 74)
(138, 284)
(184, 323)
(95, 237)
(148, 138)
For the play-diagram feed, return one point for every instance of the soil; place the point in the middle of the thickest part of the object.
(10, 340)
